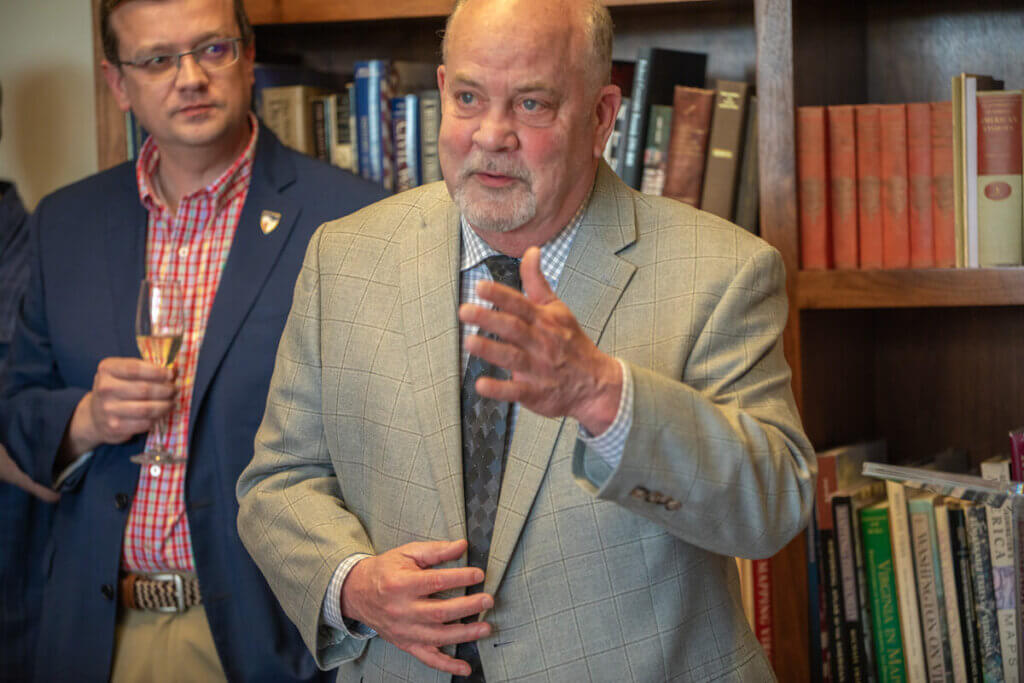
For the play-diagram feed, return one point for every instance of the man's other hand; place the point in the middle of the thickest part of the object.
(392, 593)
(128, 396)
(12, 474)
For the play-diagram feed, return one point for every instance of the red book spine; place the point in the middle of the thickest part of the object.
(763, 606)
(943, 203)
(892, 120)
(812, 175)
(869, 189)
(919, 174)
(1017, 454)
(842, 164)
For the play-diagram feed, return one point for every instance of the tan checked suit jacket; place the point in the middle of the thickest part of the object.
(597, 575)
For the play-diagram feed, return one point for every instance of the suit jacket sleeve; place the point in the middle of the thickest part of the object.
(36, 403)
(292, 518)
(720, 458)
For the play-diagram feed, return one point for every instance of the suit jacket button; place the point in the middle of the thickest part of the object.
(122, 500)
(108, 591)
(640, 493)
(672, 504)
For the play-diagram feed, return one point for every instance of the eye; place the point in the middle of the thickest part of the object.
(530, 105)
(157, 62)
(218, 49)
(465, 98)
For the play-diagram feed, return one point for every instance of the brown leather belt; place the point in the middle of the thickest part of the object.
(159, 592)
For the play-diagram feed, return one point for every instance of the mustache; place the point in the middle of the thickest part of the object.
(496, 165)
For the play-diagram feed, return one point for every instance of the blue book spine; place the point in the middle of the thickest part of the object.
(406, 135)
(369, 79)
(984, 594)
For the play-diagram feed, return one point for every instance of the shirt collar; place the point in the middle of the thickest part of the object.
(475, 249)
(218, 191)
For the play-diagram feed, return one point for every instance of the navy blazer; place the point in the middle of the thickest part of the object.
(88, 259)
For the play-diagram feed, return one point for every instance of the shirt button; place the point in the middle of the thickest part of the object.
(640, 493)
(673, 505)
(108, 591)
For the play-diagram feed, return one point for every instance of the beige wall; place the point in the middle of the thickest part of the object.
(49, 117)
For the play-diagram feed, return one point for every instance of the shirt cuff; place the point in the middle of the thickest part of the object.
(331, 612)
(65, 473)
(610, 444)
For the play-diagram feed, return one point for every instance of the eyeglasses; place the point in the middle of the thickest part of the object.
(216, 54)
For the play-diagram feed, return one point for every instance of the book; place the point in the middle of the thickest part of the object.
(817, 629)
(763, 614)
(288, 111)
(725, 146)
(1017, 454)
(374, 88)
(885, 618)
(430, 128)
(906, 582)
(613, 149)
(869, 187)
(839, 469)
(340, 134)
(1000, 542)
(943, 203)
(749, 190)
(892, 121)
(965, 162)
(924, 542)
(919, 185)
(846, 505)
(657, 72)
(688, 142)
(958, 660)
(964, 589)
(317, 106)
(999, 178)
(745, 570)
(984, 593)
(406, 135)
(270, 75)
(842, 185)
(812, 191)
(656, 149)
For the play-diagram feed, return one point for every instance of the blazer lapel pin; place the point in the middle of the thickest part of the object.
(269, 221)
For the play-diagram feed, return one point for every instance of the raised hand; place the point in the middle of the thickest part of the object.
(392, 593)
(556, 370)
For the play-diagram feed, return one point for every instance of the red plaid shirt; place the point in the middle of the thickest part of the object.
(190, 247)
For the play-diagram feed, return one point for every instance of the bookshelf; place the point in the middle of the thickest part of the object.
(926, 358)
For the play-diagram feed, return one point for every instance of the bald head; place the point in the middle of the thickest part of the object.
(590, 18)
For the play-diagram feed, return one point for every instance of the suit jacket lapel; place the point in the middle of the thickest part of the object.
(429, 275)
(123, 259)
(591, 284)
(251, 259)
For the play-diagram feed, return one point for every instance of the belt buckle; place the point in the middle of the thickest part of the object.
(179, 592)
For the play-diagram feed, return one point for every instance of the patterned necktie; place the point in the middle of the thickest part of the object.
(484, 443)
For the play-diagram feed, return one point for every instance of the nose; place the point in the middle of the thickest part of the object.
(190, 75)
(496, 132)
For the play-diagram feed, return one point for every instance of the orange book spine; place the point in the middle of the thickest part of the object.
(892, 119)
(919, 176)
(812, 175)
(842, 182)
(869, 188)
(943, 203)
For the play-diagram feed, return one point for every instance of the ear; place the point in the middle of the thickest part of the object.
(440, 82)
(115, 80)
(609, 99)
(249, 60)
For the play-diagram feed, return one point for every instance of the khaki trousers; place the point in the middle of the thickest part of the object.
(159, 647)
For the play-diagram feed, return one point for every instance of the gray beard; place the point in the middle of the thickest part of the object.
(484, 215)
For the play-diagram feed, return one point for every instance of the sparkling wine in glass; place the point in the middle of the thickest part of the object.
(159, 326)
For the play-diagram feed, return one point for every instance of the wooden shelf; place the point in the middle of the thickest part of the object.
(911, 288)
(311, 11)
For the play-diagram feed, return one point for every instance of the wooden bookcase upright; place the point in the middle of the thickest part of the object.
(925, 358)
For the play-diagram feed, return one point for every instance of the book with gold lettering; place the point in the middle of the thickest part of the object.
(725, 148)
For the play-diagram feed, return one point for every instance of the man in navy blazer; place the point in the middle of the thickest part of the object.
(77, 401)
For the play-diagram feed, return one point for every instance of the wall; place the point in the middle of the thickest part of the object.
(49, 119)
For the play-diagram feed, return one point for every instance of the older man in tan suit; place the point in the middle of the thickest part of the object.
(592, 449)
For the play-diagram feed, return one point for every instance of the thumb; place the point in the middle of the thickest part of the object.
(535, 286)
(430, 553)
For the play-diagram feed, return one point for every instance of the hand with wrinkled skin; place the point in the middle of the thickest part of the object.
(12, 474)
(391, 593)
(556, 370)
(128, 396)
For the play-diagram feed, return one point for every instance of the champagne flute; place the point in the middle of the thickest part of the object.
(159, 326)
